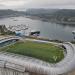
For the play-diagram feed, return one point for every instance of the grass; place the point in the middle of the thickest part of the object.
(45, 52)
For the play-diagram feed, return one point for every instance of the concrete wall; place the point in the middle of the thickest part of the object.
(4, 71)
(14, 64)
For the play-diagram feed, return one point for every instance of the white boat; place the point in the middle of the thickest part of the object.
(73, 32)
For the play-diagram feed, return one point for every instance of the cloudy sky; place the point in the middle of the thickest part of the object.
(24, 4)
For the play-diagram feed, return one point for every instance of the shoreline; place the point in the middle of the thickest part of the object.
(47, 20)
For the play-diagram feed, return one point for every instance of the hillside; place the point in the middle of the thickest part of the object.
(65, 16)
(10, 13)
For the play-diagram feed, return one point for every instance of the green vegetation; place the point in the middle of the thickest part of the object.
(43, 51)
(5, 31)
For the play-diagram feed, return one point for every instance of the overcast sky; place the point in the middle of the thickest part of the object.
(24, 4)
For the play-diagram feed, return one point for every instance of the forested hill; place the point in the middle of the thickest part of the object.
(40, 11)
(54, 15)
(10, 13)
(63, 12)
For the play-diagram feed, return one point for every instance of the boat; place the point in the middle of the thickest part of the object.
(34, 33)
(73, 32)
